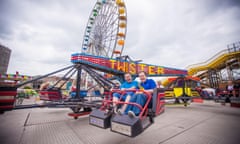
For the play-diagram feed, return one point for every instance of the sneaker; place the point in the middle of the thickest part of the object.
(106, 112)
(131, 114)
(115, 110)
(119, 112)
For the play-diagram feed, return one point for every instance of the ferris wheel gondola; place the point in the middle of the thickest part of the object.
(106, 29)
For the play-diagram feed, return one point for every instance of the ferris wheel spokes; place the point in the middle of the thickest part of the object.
(106, 29)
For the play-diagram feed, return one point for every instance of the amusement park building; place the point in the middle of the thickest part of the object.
(4, 58)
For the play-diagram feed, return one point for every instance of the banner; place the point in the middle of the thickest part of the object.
(120, 66)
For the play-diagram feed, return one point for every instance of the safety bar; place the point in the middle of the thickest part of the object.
(122, 92)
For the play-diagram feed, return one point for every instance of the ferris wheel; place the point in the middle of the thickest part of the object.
(106, 29)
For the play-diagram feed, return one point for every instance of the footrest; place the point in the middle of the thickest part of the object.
(100, 119)
(123, 124)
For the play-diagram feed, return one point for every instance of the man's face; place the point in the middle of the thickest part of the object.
(128, 78)
(142, 77)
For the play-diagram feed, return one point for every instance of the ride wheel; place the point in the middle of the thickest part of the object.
(105, 32)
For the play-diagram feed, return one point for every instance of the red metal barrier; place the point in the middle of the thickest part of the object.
(7, 98)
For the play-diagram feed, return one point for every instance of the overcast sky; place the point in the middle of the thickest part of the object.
(174, 33)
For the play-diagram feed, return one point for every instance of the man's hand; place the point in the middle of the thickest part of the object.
(139, 91)
(132, 88)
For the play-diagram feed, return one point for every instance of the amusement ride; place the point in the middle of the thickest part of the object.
(101, 58)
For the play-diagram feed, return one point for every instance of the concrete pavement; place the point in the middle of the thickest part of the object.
(208, 122)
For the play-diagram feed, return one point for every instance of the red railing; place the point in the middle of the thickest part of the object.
(108, 101)
(7, 99)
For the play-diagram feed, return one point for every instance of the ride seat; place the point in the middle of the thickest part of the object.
(156, 101)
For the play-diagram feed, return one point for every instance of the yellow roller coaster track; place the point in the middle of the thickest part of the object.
(216, 61)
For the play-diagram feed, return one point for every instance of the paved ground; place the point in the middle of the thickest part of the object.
(199, 124)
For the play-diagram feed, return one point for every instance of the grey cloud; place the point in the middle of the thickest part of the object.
(189, 34)
(216, 4)
(5, 30)
(168, 33)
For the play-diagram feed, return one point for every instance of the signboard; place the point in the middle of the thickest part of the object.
(120, 66)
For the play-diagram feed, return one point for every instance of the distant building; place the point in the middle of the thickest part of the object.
(4, 59)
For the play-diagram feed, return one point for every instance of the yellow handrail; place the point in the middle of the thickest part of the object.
(217, 58)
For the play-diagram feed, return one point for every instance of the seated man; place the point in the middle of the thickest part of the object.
(129, 84)
(147, 85)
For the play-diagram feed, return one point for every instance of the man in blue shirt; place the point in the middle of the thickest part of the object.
(129, 84)
(147, 85)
